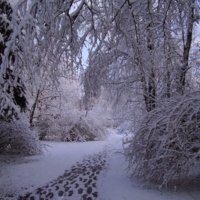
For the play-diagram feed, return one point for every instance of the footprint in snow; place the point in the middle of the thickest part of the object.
(79, 183)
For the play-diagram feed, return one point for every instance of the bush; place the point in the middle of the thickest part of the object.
(17, 138)
(74, 127)
(62, 116)
(167, 146)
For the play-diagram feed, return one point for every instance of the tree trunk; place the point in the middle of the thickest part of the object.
(150, 90)
(187, 46)
(150, 93)
(34, 107)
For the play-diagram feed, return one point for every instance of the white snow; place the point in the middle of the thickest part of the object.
(18, 175)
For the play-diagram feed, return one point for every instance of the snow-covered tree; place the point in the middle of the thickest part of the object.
(166, 148)
(48, 32)
(143, 45)
(5, 30)
(17, 91)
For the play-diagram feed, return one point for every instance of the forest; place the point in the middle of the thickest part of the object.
(72, 69)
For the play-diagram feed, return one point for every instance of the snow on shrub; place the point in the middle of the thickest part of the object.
(76, 126)
(166, 148)
(16, 137)
(64, 118)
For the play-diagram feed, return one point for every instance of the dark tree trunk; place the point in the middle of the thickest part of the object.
(150, 93)
(187, 46)
(34, 107)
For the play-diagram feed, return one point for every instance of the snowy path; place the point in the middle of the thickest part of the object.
(67, 170)
(18, 175)
(78, 183)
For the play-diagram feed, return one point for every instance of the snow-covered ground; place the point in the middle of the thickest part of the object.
(19, 175)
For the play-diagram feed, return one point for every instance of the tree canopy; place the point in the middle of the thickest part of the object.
(131, 44)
